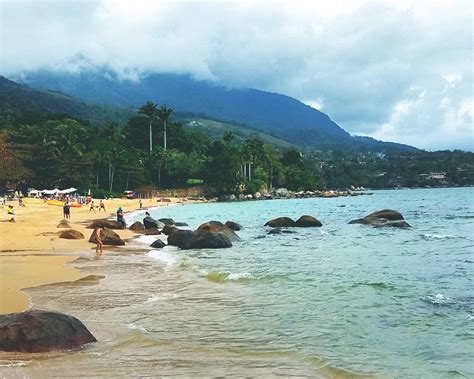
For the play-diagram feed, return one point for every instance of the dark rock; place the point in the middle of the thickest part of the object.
(280, 222)
(217, 227)
(152, 232)
(71, 234)
(181, 224)
(149, 222)
(182, 238)
(388, 214)
(386, 217)
(37, 331)
(280, 231)
(64, 224)
(394, 224)
(307, 222)
(211, 241)
(158, 244)
(167, 221)
(137, 226)
(108, 237)
(104, 223)
(233, 225)
(168, 230)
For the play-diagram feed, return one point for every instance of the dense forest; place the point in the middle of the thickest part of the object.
(151, 148)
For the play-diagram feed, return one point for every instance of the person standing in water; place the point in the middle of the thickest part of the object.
(98, 241)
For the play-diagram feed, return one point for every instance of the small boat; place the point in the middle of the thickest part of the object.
(61, 203)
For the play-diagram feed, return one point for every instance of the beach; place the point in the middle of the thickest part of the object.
(31, 254)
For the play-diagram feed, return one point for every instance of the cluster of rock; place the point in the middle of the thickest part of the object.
(283, 193)
(304, 221)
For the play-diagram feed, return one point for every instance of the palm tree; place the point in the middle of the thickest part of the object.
(149, 109)
(164, 113)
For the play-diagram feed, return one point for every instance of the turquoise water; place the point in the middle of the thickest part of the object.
(376, 301)
(335, 301)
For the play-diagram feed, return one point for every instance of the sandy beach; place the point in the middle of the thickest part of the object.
(31, 254)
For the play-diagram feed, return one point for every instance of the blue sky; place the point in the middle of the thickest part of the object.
(400, 71)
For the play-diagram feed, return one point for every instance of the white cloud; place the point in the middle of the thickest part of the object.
(365, 64)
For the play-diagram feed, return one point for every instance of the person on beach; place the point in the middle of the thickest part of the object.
(101, 206)
(98, 241)
(120, 218)
(9, 210)
(67, 210)
(20, 202)
(140, 203)
(92, 207)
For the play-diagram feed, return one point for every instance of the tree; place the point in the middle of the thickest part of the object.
(149, 109)
(164, 114)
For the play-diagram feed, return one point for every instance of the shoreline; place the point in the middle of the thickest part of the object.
(32, 254)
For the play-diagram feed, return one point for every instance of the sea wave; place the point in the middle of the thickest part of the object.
(227, 276)
(439, 299)
(164, 256)
(134, 326)
(160, 297)
(428, 236)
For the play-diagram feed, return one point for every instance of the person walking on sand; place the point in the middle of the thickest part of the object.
(66, 210)
(140, 203)
(101, 206)
(91, 207)
(98, 241)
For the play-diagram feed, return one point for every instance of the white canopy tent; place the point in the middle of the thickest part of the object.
(69, 190)
(50, 192)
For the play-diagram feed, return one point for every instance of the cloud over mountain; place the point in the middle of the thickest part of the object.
(400, 72)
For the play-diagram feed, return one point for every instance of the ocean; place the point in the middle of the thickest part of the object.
(337, 301)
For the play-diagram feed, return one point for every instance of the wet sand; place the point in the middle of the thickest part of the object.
(31, 254)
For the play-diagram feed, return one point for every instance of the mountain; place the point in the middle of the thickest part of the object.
(279, 115)
(16, 98)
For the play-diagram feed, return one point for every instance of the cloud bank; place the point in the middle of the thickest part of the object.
(399, 71)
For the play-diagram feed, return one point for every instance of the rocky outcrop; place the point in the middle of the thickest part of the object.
(280, 222)
(137, 226)
(38, 331)
(71, 234)
(167, 221)
(217, 227)
(307, 222)
(158, 244)
(104, 223)
(108, 237)
(64, 224)
(383, 218)
(180, 224)
(233, 225)
(168, 230)
(183, 239)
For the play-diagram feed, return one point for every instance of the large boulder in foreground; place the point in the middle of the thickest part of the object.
(71, 234)
(108, 237)
(280, 222)
(104, 223)
(38, 331)
(383, 218)
(307, 222)
(150, 223)
(169, 230)
(137, 227)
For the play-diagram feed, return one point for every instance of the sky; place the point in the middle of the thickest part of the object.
(398, 70)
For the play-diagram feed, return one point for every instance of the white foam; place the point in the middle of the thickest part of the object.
(239, 275)
(470, 318)
(147, 240)
(164, 256)
(438, 236)
(134, 326)
(161, 297)
(439, 298)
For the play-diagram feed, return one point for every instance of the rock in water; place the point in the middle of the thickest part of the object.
(217, 227)
(182, 238)
(307, 222)
(104, 223)
(64, 224)
(38, 331)
(211, 241)
(71, 234)
(169, 230)
(167, 221)
(149, 222)
(233, 225)
(158, 244)
(108, 237)
(386, 217)
(280, 222)
(137, 226)
(180, 224)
